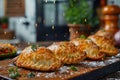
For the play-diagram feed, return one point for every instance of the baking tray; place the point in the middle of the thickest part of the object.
(100, 72)
(4, 78)
(87, 70)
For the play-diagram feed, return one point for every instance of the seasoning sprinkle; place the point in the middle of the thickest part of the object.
(73, 68)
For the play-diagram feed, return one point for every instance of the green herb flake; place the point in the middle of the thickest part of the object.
(13, 73)
(11, 70)
(39, 45)
(30, 75)
(34, 47)
(73, 68)
(83, 36)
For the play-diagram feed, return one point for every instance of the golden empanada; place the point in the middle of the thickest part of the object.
(40, 59)
(107, 35)
(7, 50)
(77, 41)
(91, 49)
(104, 44)
(104, 33)
(67, 52)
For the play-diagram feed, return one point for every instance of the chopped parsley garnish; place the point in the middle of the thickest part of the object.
(30, 75)
(39, 45)
(73, 68)
(83, 36)
(13, 73)
(34, 47)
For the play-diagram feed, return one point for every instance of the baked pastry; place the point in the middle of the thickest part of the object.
(40, 58)
(91, 49)
(104, 33)
(67, 52)
(77, 41)
(107, 35)
(104, 44)
(7, 50)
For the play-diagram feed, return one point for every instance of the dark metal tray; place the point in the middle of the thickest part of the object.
(100, 72)
(87, 70)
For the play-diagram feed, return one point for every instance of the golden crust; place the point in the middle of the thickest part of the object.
(107, 35)
(105, 45)
(104, 34)
(67, 52)
(7, 48)
(7, 45)
(77, 41)
(91, 50)
(42, 59)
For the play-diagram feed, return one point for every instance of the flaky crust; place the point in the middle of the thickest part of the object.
(7, 45)
(105, 45)
(77, 41)
(7, 48)
(91, 49)
(104, 33)
(67, 52)
(107, 35)
(42, 59)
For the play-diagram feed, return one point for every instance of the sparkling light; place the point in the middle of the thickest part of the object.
(69, 30)
(46, 1)
(85, 20)
(53, 27)
(46, 34)
(63, 14)
(28, 43)
(5, 33)
(76, 32)
(64, 35)
(36, 25)
(54, 1)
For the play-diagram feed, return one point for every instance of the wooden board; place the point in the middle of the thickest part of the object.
(87, 70)
(14, 8)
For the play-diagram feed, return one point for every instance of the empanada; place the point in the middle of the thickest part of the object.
(40, 59)
(7, 50)
(105, 45)
(91, 50)
(67, 52)
(107, 35)
(77, 41)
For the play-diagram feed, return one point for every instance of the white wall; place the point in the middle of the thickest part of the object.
(24, 33)
(1, 8)
(116, 2)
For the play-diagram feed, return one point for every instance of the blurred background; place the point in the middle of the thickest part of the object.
(41, 20)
